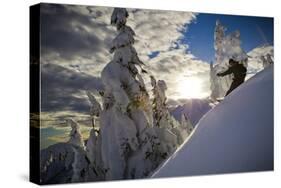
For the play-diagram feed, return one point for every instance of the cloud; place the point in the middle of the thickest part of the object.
(63, 89)
(52, 135)
(176, 67)
(70, 33)
(74, 38)
(75, 42)
(57, 119)
(158, 30)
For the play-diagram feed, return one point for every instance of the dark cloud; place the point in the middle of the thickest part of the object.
(69, 33)
(60, 88)
(77, 37)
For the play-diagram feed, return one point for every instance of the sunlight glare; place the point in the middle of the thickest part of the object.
(191, 87)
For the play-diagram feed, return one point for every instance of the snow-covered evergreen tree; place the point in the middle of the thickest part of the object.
(269, 59)
(75, 134)
(163, 121)
(218, 44)
(118, 130)
(214, 86)
(95, 107)
(266, 60)
(135, 133)
(67, 162)
(93, 146)
(186, 123)
(226, 47)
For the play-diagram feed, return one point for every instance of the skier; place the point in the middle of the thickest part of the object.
(239, 73)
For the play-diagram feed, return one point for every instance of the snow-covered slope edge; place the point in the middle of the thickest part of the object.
(235, 136)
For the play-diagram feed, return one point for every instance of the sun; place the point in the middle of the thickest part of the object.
(190, 87)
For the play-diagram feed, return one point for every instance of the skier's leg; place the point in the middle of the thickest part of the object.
(228, 91)
(233, 86)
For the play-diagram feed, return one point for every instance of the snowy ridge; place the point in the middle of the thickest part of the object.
(235, 136)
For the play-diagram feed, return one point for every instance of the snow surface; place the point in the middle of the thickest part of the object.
(235, 136)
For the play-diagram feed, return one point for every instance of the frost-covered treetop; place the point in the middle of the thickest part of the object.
(119, 17)
(75, 133)
(73, 124)
(124, 38)
(95, 105)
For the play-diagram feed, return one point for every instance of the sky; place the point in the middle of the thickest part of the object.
(174, 46)
(255, 31)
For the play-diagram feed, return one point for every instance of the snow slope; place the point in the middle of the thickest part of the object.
(235, 136)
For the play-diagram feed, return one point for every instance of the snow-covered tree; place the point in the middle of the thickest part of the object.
(95, 106)
(170, 132)
(135, 133)
(214, 86)
(266, 60)
(269, 59)
(67, 162)
(219, 38)
(122, 94)
(186, 123)
(93, 146)
(226, 47)
(75, 133)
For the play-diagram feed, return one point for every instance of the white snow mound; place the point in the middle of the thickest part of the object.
(235, 136)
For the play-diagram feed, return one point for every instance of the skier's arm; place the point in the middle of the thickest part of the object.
(228, 71)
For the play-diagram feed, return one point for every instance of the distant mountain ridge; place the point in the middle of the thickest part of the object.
(194, 109)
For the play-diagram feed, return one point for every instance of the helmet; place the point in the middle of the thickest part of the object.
(232, 61)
